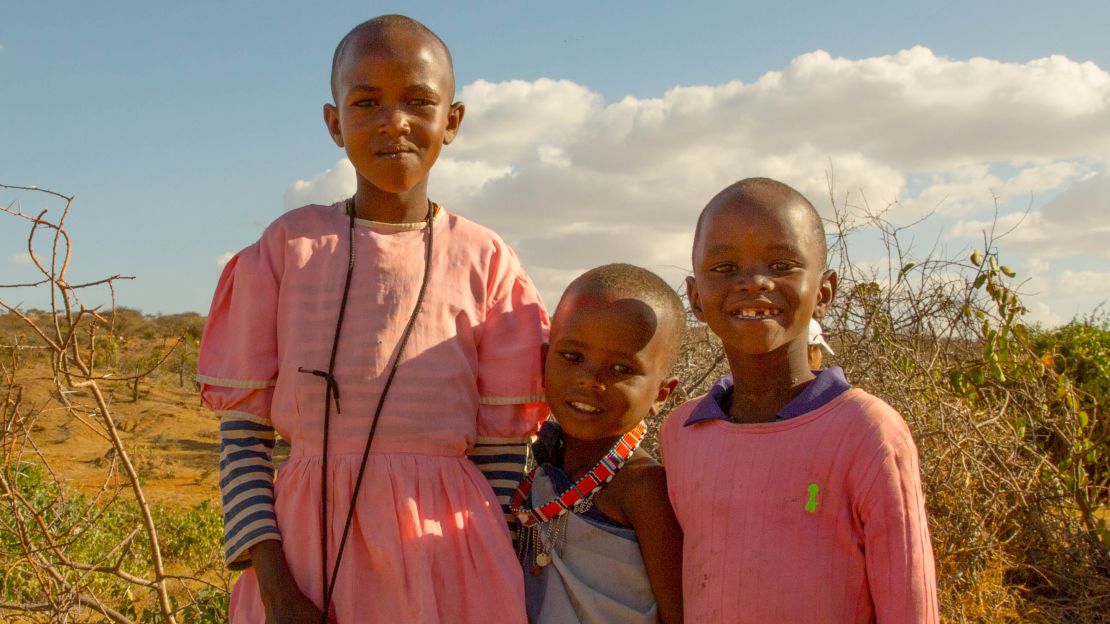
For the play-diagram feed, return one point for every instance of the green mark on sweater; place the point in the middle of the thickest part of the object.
(811, 504)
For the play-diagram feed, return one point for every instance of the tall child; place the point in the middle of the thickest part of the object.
(598, 539)
(799, 496)
(385, 339)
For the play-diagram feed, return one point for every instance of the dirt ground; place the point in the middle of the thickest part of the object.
(172, 439)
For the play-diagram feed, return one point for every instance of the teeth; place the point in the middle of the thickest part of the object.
(754, 313)
(582, 407)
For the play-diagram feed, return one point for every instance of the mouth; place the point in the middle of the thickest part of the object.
(394, 151)
(755, 313)
(584, 408)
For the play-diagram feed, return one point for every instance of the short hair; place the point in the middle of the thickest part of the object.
(376, 27)
(768, 194)
(627, 281)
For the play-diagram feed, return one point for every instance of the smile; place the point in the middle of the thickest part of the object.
(755, 314)
(585, 408)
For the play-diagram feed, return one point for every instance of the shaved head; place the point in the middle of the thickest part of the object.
(769, 195)
(614, 282)
(377, 31)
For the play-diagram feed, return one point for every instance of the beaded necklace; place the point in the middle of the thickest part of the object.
(540, 527)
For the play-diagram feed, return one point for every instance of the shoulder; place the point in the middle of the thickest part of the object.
(874, 419)
(877, 438)
(640, 485)
(488, 244)
(675, 422)
(311, 221)
(644, 474)
(477, 233)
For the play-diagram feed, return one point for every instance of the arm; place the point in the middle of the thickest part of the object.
(897, 547)
(510, 386)
(646, 507)
(251, 536)
(282, 598)
(501, 461)
(237, 368)
(246, 471)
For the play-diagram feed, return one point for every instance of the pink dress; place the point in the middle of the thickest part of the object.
(428, 542)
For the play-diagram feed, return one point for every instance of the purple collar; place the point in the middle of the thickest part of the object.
(826, 386)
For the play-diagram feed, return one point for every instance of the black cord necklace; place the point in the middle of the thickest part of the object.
(331, 391)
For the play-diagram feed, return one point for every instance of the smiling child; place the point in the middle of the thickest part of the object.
(382, 512)
(799, 496)
(594, 550)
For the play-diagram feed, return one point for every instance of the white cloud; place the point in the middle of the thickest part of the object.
(326, 188)
(1083, 281)
(1084, 204)
(454, 180)
(20, 259)
(224, 258)
(1041, 313)
(572, 181)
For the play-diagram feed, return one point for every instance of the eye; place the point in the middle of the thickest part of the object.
(623, 369)
(363, 103)
(725, 267)
(421, 102)
(571, 356)
(781, 265)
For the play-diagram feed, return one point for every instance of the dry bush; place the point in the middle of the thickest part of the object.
(67, 556)
(1013, 466)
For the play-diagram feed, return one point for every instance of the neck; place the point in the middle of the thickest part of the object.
(579, 456)
(765, 383)
(374, 204)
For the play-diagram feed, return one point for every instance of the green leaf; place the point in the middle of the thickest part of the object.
(902, 273)
(1007, 271)
(996, 370)
(977, 257)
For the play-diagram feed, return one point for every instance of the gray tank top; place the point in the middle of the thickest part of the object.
(596, 574)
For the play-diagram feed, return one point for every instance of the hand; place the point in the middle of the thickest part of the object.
(292, 608)
(284, 601)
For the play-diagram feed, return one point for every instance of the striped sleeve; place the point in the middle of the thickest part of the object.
(501, 461)
(246, 484)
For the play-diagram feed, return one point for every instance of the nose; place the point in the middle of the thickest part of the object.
(394, 121)
(753, 281)
(591, 377)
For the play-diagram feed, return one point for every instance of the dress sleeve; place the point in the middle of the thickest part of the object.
(510, 383)
(236, 368)
(239, 345)
(898, 551)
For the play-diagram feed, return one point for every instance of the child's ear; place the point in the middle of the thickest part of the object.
(666, 388)
(693, 297)
(825, 293)
(454, 120)
(331, 119)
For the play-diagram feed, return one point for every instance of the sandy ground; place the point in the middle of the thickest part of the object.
(173, 441)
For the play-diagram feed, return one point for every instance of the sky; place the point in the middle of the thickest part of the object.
(595, 131)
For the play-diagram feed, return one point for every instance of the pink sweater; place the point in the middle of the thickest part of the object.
(819, 518)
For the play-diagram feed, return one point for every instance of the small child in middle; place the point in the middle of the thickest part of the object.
(597, 537)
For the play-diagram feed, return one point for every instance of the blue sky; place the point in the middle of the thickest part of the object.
(183, 129)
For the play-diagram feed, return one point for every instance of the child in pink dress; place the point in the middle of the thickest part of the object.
(799, 496)
(382, 303)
